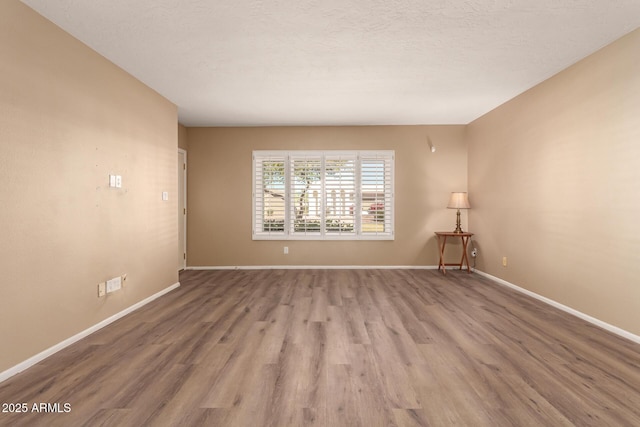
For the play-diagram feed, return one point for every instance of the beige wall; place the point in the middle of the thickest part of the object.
(219, 188)
(69, 118)
(554, 177)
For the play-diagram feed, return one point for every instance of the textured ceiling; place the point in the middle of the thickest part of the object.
(341, 62)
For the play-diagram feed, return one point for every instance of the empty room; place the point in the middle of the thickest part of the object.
(354, 213)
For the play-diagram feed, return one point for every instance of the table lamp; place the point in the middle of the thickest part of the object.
(458, 201)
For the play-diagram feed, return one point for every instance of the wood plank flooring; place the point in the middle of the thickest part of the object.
(337, 348)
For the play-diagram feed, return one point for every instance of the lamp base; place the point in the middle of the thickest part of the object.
(458, 227)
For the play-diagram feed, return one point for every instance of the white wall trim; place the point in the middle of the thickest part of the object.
(316, 267)
(77, 337)
(614, 329)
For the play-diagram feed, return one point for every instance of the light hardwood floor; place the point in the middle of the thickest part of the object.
(338, 348)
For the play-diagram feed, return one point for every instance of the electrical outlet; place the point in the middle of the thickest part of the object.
(286, 250)
(102, 289)
(504, 261)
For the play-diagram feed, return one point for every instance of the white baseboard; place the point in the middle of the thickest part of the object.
(316, 267)
(614, 329)
(77, 337)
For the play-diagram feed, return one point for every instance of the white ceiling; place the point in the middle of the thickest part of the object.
(341, 62)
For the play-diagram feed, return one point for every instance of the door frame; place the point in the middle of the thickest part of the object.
(182, 195)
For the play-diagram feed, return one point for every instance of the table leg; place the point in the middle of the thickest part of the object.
(465, 241)
(441, 248)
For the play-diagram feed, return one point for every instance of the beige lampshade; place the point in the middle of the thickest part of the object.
(459, 201)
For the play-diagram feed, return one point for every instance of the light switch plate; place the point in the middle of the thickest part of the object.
(165, 195)
(114, 284)
(112, 180)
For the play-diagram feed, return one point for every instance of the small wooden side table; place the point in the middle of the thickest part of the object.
(442, 241)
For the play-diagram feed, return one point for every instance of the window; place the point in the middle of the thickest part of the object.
(319, 195)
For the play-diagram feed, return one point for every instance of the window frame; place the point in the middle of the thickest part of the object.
(287, 157)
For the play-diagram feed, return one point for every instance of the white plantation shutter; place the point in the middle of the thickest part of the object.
(376, 193)
(305, 177)
(269, 195)
(323, 195)
(340, 195)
